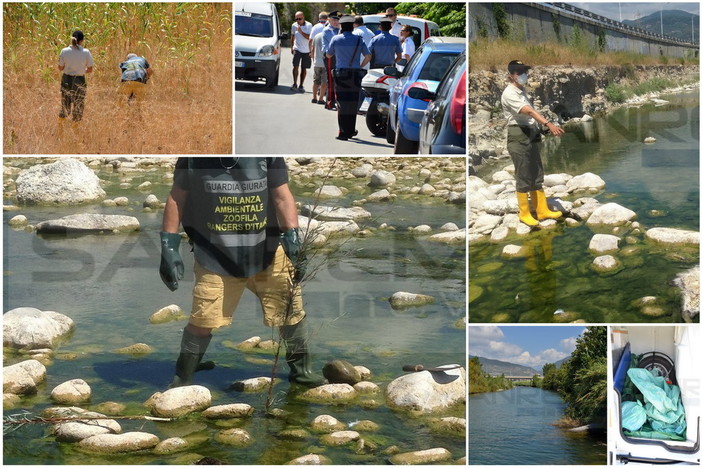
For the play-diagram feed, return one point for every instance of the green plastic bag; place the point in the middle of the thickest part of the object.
(662, 404)
(633, 415)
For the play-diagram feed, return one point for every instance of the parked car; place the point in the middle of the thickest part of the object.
(421, 28)
(443, 127)
(670, 354)
(257, 43)
(425, 70)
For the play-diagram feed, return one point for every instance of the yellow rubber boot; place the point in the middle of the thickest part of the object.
(542, 210)
(524, 211)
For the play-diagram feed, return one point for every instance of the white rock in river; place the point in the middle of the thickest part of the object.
(380, 195)
(427, 391)
(512, 251)
(448, 227)
(71, 392)
(501, 206)
(611, 214)
(382, 179)
(339, 438)
(19, 220)
(89, 223)
(65, 182)
(362, 171)
(152, 201)
(119, 443)
(673, 236)
(601, 243)
(451, 237)
(403, 299)
(332, 393)
(30, 328)
(333, 213)
(605, 263)
(689, 284)
(236, 436)
(168, 314)
(585, 182)
(22, 378)
(171, 445)
(421, 457)
(310, 459)
(233, 410)
(327, 423)
(180, 401)
(330, 228)
(74, 431)
(329, 191)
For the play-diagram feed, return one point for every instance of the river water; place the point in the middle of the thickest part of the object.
(660, 182)
(515, 427)
(109, 285)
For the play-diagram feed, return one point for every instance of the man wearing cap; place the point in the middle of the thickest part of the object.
(300, 48)
(524, 145)
(329, 31)
(347, 48)
(385, 48)
(74, 62)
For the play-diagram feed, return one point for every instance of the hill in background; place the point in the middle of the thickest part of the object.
(495, 368)
(676, 23)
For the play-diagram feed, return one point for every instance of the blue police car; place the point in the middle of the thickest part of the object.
(425, 70)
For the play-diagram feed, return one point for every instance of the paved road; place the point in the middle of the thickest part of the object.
(284, 122)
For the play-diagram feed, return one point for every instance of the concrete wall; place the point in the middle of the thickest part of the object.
(538, 22)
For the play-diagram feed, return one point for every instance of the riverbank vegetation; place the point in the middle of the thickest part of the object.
(582, 379)
(494, 54)
(480, 381)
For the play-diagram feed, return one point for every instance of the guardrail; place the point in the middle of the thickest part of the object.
(616, 25)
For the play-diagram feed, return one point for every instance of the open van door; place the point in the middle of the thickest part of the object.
(667, 353)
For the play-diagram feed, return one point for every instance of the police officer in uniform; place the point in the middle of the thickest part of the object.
(328, 33)
(347, 48)
(385, 48)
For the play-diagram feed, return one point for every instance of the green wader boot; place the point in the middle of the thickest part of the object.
(192, 349)
(297, 355)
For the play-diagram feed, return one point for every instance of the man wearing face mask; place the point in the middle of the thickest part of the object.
(524, 145)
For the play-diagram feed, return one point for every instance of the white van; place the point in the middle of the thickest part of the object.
(670, 351)
(257, 42)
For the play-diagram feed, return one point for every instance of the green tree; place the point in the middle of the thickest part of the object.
(451, 17)
(361, 8)
(550, 379)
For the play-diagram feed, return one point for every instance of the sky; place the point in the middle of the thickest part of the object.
(633, 10)
(531, 346)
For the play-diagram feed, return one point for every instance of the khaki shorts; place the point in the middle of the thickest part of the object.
(133, 87)
(320, 76)
(215, 297)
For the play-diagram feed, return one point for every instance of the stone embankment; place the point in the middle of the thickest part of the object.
(580, 91)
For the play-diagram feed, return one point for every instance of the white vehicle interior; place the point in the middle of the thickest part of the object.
(681, 344)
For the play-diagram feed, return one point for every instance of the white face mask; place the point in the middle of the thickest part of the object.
(522, 79)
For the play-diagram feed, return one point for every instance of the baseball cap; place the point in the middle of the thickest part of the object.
(385, 19)
(346, 19)
(336, 14)
(516, 66)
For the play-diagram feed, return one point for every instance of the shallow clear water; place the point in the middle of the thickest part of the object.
(109, 285)
(515, 427)
(660, 182)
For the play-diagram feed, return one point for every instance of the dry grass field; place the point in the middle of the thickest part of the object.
(188, 104)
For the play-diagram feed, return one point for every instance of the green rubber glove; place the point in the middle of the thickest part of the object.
(172, 268)
(292, 245)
